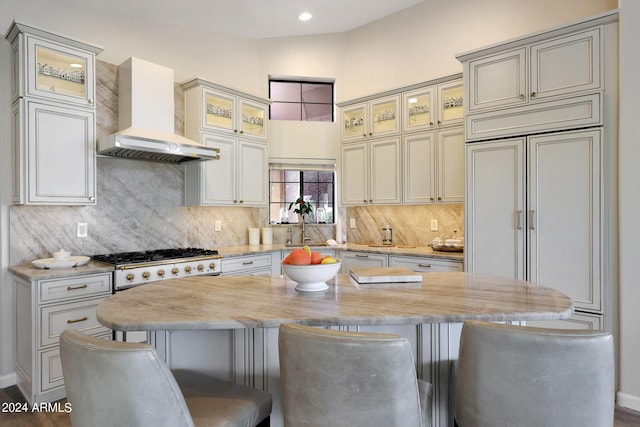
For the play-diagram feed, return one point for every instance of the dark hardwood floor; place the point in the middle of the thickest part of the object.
(623, 417)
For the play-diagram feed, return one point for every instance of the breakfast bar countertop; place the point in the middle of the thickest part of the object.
(233, 302)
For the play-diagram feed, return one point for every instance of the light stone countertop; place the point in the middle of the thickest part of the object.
(30, 272)
(232, 302)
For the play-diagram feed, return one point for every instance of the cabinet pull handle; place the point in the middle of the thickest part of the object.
(532, 219)
(521, 96)
(424, 265)
(362, 256)
(247, 263)
(73, 288)
(82, 319)
(519, 220)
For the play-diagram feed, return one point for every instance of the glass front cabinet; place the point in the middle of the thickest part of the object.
(432, 107)
(54, 68)
(228, 113)
(371, 119)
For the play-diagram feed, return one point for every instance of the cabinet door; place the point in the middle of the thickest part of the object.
(212, 183)
(218, 111)
(419, 168)
(450, 103)
(566, 65)
(252, 120)
(385, 178)
(494, 208)
(418, 109)
(355, 174)
(252, 174)
(60, 155)
(60, 73)
(451, 165)
(385, 116)
(564, 226)
(497, 80)
(355, 124)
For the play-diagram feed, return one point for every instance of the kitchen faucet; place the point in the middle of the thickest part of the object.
(305, 239)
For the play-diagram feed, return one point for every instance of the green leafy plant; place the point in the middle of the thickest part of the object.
(302, 207)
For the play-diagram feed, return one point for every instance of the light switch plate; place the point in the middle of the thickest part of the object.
(81, 229)
(217, 225)
(434, 225)
(352, 223)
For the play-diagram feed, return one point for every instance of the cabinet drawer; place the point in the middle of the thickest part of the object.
(80, 315)
(424, 265)
(74, 287)
(51, 367)
(233, 265)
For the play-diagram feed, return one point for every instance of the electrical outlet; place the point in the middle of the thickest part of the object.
(81, 229)
(434, 225)
(352, 223)
(217, 225)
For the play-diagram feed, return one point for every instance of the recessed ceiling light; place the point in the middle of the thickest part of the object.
(304, 16)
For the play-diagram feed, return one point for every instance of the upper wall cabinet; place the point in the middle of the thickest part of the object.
(432, 107)
(51, 67)
(53, 118)
(223, 110)
(371, 119)
(538, 71)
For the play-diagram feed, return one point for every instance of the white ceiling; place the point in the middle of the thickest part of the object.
(250, 18)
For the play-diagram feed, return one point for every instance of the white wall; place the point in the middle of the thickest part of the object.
(629, 177)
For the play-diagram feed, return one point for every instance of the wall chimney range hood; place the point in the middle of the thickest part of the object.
(146, 118)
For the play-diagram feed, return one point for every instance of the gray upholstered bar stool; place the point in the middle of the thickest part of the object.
(524, 376)
(123, 384)
(334, 378)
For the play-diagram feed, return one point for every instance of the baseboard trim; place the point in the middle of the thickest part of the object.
(628, 401)
(8, 380)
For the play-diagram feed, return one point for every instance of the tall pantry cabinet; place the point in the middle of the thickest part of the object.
(540, 193)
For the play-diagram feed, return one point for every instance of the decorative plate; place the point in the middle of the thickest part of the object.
(74, 261)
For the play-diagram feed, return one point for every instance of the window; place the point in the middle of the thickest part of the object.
(314, 186)
(301, 100)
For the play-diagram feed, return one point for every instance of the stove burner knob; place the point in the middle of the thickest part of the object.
(212, 266)
(175, 271)
(146, 275)
(200, 267)
(187, 269)
(130, 277)
(161, 273)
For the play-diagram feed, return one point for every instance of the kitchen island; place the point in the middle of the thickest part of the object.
(227, 326)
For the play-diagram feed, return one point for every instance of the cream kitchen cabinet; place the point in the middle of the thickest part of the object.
(211, 107)
(555, 67)
(43, 309)
(54, 158)
(433, 167)
(53, 118)
(238, 178)
(422, 264)
(250, 265)
(51, 66)
(353, 259)
(371, 172)
(433, 107)
(534, 212)
(379, 117)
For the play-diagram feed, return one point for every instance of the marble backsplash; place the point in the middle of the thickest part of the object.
(411, 224)
(140, 207)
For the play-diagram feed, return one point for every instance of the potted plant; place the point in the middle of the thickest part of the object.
(302, 208)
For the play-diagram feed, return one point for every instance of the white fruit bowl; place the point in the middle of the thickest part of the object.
(312, 277)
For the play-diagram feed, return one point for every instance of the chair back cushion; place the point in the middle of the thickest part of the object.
(333, 378)
(112, 383)
(524, 376)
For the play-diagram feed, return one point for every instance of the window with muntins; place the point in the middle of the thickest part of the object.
(313, 186)
(301, 100)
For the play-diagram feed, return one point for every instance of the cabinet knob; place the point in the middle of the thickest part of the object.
(533, 94)
(430, 123)
(439, 122)
(521, 96)
(235, 131)
(90, 101)
(364, 201)
(364, 135)
(370, 133)
(241, 132)
(241, 201)
(235, 201)
(92, 198)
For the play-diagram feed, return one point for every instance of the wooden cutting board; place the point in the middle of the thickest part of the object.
(384, 275)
